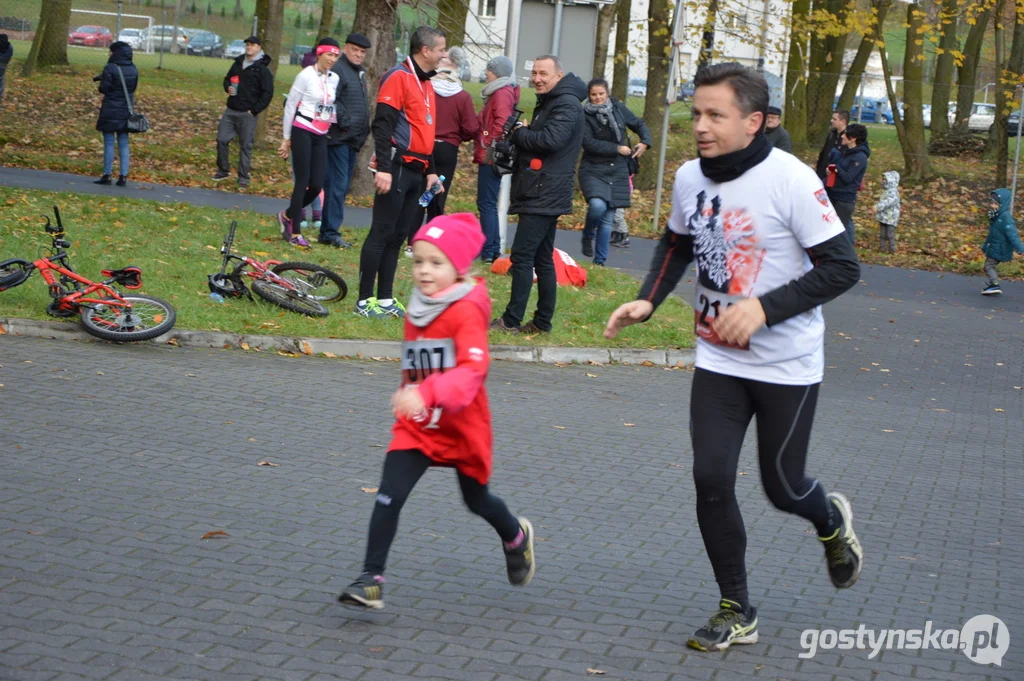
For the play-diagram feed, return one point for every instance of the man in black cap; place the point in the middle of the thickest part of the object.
(346, 137)
(777, 135)
(250, 88)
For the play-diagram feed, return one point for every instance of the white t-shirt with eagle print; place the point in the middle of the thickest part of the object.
(750, 236)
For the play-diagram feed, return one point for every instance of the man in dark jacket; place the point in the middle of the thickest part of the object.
(346, 137)
(6, 52)
(250, 88)
(542, 188)
(840, 119)
(848, 163)
(777, 135)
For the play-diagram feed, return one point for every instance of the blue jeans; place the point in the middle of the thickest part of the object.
(488, 185)
(599, 219)
(341, 167)
(108, 152)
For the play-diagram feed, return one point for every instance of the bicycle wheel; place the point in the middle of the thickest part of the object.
(318, 282)
(148, 317)
(288, 299)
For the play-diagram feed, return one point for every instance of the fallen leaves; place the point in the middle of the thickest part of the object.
(591, 375)
(215, 533)
(370, 490)
(269, 463)
(244, 346)
(629, 425)
(595, 672)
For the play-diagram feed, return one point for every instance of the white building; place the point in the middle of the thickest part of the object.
(738, 35)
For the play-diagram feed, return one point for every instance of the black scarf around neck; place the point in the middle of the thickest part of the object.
(729, 166)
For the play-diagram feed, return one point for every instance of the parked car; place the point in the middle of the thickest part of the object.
(165, 40)
(1012, 122)
(926, 112)
(235, 49)
(685, 91)
(91, 36)
(206, 44)
(135, 37)
(637, 88)
(297, 53)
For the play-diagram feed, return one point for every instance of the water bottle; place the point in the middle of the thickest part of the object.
(216, 297)
(431, 192)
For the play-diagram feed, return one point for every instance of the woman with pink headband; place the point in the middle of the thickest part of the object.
(308, 115)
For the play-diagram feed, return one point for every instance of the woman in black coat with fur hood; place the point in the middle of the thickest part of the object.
(114, 111)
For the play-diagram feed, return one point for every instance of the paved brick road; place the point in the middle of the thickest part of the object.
(116, 460)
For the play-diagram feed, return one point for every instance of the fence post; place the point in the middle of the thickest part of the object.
(163, 23)
(1016, 156)
(117, 36)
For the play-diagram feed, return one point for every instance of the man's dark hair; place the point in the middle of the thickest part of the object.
(844, 114)
(424, 36)
(600, 82)
(750, 87)
(856, 131)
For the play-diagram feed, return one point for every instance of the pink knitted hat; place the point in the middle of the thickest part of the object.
(459, 237)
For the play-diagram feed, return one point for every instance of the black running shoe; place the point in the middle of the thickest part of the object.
(588, 247)
(519, 561)
(726, 627)
(842, 550)
(365, 592)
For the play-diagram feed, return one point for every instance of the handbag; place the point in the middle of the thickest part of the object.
(136, 122)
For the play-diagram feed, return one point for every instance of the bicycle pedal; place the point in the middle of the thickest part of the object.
(54, 311)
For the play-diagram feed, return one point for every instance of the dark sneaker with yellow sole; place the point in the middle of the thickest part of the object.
(729, 626)
(365, 592)
(520, 560)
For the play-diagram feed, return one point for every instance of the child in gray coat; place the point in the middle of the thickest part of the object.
(887, 210)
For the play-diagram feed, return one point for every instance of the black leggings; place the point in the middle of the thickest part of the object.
(309, 163)
(720, 410)
(446, 157)
(394, 216)
(402, 470)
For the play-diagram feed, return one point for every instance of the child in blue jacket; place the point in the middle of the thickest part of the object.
(1002, 240)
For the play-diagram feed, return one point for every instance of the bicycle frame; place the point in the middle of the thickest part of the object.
(258, 269)
(71, 300)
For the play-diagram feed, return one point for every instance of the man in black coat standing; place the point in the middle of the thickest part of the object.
(840, 119)
(346, 137)
(542, 188)
(250, 88)
(6, 54)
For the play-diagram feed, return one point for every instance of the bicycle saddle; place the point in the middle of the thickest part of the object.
(129, 277)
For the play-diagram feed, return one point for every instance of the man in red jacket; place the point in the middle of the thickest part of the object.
(500, 95)
(404, 127)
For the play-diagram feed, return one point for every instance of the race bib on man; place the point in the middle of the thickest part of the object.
(422, 358)
(707, 307)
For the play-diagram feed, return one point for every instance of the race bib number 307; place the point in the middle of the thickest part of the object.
(422, 358)
(707, 307)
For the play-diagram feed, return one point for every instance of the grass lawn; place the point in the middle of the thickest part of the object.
(942, 226)
(177, 246)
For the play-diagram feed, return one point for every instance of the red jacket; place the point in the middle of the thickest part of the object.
(405, 123)
(457, 121)
(449, 359)
(497, 109)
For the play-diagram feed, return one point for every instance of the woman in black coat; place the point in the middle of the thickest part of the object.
(114, 110)
(604, 168)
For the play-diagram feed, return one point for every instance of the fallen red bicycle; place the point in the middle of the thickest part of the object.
(104, 311)
(301, 287)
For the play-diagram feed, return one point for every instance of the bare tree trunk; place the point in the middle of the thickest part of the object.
(376, 20)
(50, 45)
(860, 61)
(605, 19)
(942, 83)
(238, 9)
(451, 18)
(326, 20)
(826, 65)
(967, 73)
(620, 72)
(796, 80)
(659, 32)
(915, 152)
(271, 26)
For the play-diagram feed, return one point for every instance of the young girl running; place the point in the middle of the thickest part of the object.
(441, 410)
(308, 114)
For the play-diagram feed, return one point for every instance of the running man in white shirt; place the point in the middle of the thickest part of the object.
(770, 251)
